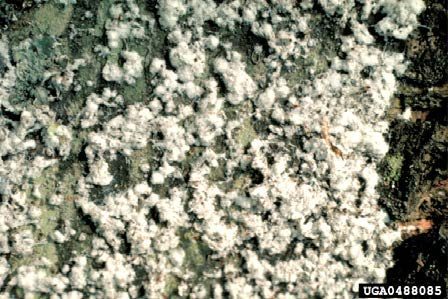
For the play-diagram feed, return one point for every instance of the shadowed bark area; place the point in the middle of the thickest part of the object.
(415, 172)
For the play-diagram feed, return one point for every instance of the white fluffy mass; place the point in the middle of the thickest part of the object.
(243, 166)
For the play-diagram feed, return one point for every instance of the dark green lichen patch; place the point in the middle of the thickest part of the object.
(52, 19)
(218, 173)
(317, 61)
(393, 165)
(195, 250)
(31, 61)
(198, 259)
(245, 134)
(58, 180)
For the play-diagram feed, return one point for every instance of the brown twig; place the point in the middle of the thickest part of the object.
(326, 137)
